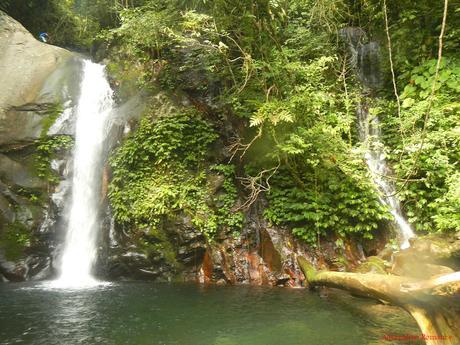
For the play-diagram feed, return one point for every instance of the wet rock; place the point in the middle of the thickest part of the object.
(218, 265)
(12, 271)
(261, 254)
(39, 267)
(364, 56)
(354, 36)
(175, 250)
(269, 253)
(131, 264)
(386, 254)
(428, 256)
(5, 209)
(215, 182)
(283, 279)
(206, 271)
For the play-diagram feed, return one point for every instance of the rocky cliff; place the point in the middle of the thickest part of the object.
(27, 106)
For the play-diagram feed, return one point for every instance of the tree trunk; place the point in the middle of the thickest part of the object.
(435, 309)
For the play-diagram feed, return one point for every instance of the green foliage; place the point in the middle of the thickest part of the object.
(274, 66)
(266, 62)
(430, 194)
(47, 148)
(322, 186)
(447, 217)
(176, 49)
(327, 203)
(422, 80)
(51, 115)
(70, 23)
(160, 173)
(226, 200)
(14, 238)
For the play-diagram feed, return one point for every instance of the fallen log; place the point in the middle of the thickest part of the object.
(433, 303)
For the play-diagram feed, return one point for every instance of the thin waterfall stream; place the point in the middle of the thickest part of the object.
(365, 57)
(370, 135)
(94, 108)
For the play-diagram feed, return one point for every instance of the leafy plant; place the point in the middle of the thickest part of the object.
(47, 148)
(14, 238)
(425, 150)
(160, 172)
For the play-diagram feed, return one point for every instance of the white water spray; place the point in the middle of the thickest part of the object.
(370, 134)
(93, 111)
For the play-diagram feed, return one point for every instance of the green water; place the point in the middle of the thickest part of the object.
(141, 313)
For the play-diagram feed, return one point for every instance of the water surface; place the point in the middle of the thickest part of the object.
(138, 313)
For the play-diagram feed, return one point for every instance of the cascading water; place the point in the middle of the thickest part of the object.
(370, 134)
(365, 59)
(92, 113)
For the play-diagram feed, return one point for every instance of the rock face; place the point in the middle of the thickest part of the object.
(25, 64)
(26, 104)
(261, 255)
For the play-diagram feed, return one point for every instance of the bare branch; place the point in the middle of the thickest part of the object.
(237, 146)
(256, 185)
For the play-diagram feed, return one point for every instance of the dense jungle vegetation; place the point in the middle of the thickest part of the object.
(272, 101)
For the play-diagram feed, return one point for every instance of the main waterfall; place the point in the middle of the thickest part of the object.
(92, 113)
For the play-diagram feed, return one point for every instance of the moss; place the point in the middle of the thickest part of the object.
(51, 115)
(126, 77)
(34, 196)
(168, 253)
(307, 268)
(373, 264)
(157, 246)
(341, 262)
(14, 239)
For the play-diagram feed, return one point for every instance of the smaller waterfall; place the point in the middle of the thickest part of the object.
(93, 111)
(370, 134)
(365, 59)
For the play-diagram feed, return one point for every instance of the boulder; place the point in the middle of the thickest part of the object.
(25, 64)
(17, 174)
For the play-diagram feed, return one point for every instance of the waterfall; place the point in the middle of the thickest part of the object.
(366, 57)
(370, 134)
(92, 113)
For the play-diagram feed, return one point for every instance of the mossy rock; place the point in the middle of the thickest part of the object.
(373, 264)
(14, 239)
